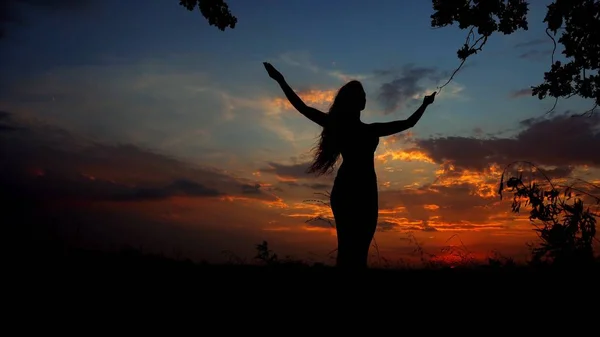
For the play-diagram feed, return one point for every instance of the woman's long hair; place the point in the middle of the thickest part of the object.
(327, 151)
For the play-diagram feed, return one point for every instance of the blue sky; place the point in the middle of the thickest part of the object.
(152, 74)
(348, 37)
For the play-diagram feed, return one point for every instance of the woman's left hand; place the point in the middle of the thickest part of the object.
(273, 73)
(429, 99)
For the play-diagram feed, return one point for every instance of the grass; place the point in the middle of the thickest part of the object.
(60, 259)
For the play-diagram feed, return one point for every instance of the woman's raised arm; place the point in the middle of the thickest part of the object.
(390, 128)
(311, 113)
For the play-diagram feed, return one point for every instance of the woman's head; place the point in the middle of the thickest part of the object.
(347, 105)
(350, 100)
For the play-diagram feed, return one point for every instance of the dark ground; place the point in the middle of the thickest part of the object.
(102, 290)
(132, 268)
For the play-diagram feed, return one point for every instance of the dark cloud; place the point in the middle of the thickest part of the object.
(428, 228)
(4, 128)
(319, 186)
(405, 84)
(177, 188)
(47, 163)
(53, 184)
(521, 93)
(4, 115)
(251, 189)
(386, 226)
(558, 144)
(293, 171)
(15, 11)
(536, 54)
(478, 131)
(385, 72)
(562, 141)
(312, 186)
(559, 172)
(531, 43)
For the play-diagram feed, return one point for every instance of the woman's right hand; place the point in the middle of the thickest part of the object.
(273, 73)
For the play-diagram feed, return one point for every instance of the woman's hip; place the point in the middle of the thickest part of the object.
(354, 195)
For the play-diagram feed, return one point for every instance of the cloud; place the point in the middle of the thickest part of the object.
(127, 194)
(405, 87)
(181, 187)
(4, 115)
(392, 88)
(73, 168)
(157, 99)
(558, 141)
(464, 193)
(299, 59)
(404, 155)
(313, 186)
(405, 209)
(304, 60)
(386, 226)
(170, 104)
(288, 172)
(536, 54)
(291, 177)
(13, 11)
(320, 99)
(521, 93)
(533, 42)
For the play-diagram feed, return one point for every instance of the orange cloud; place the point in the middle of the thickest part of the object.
(395, 210)
(431, 207)
(405, 155)
(314, 97)
(485, 183)
(284, 178)
(309, 210)
(277, 229)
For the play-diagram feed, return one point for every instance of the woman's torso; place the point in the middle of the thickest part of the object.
(357, 147)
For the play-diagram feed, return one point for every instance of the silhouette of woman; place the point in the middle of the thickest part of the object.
(354, 197)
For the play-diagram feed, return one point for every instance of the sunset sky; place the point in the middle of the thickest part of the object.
(141, 124)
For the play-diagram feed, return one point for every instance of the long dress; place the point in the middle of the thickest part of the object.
(354, 197)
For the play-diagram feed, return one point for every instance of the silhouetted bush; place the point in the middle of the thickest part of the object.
(566, 227)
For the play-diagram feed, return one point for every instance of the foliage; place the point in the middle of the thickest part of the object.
(328, 219)
(567, 227)
(215, 11)
(579, 21)
(264, 254)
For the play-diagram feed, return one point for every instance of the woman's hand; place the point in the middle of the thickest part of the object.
(273, 73)
(429, 99)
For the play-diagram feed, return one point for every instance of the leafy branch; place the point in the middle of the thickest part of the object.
(567, 227)
(578, 21)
